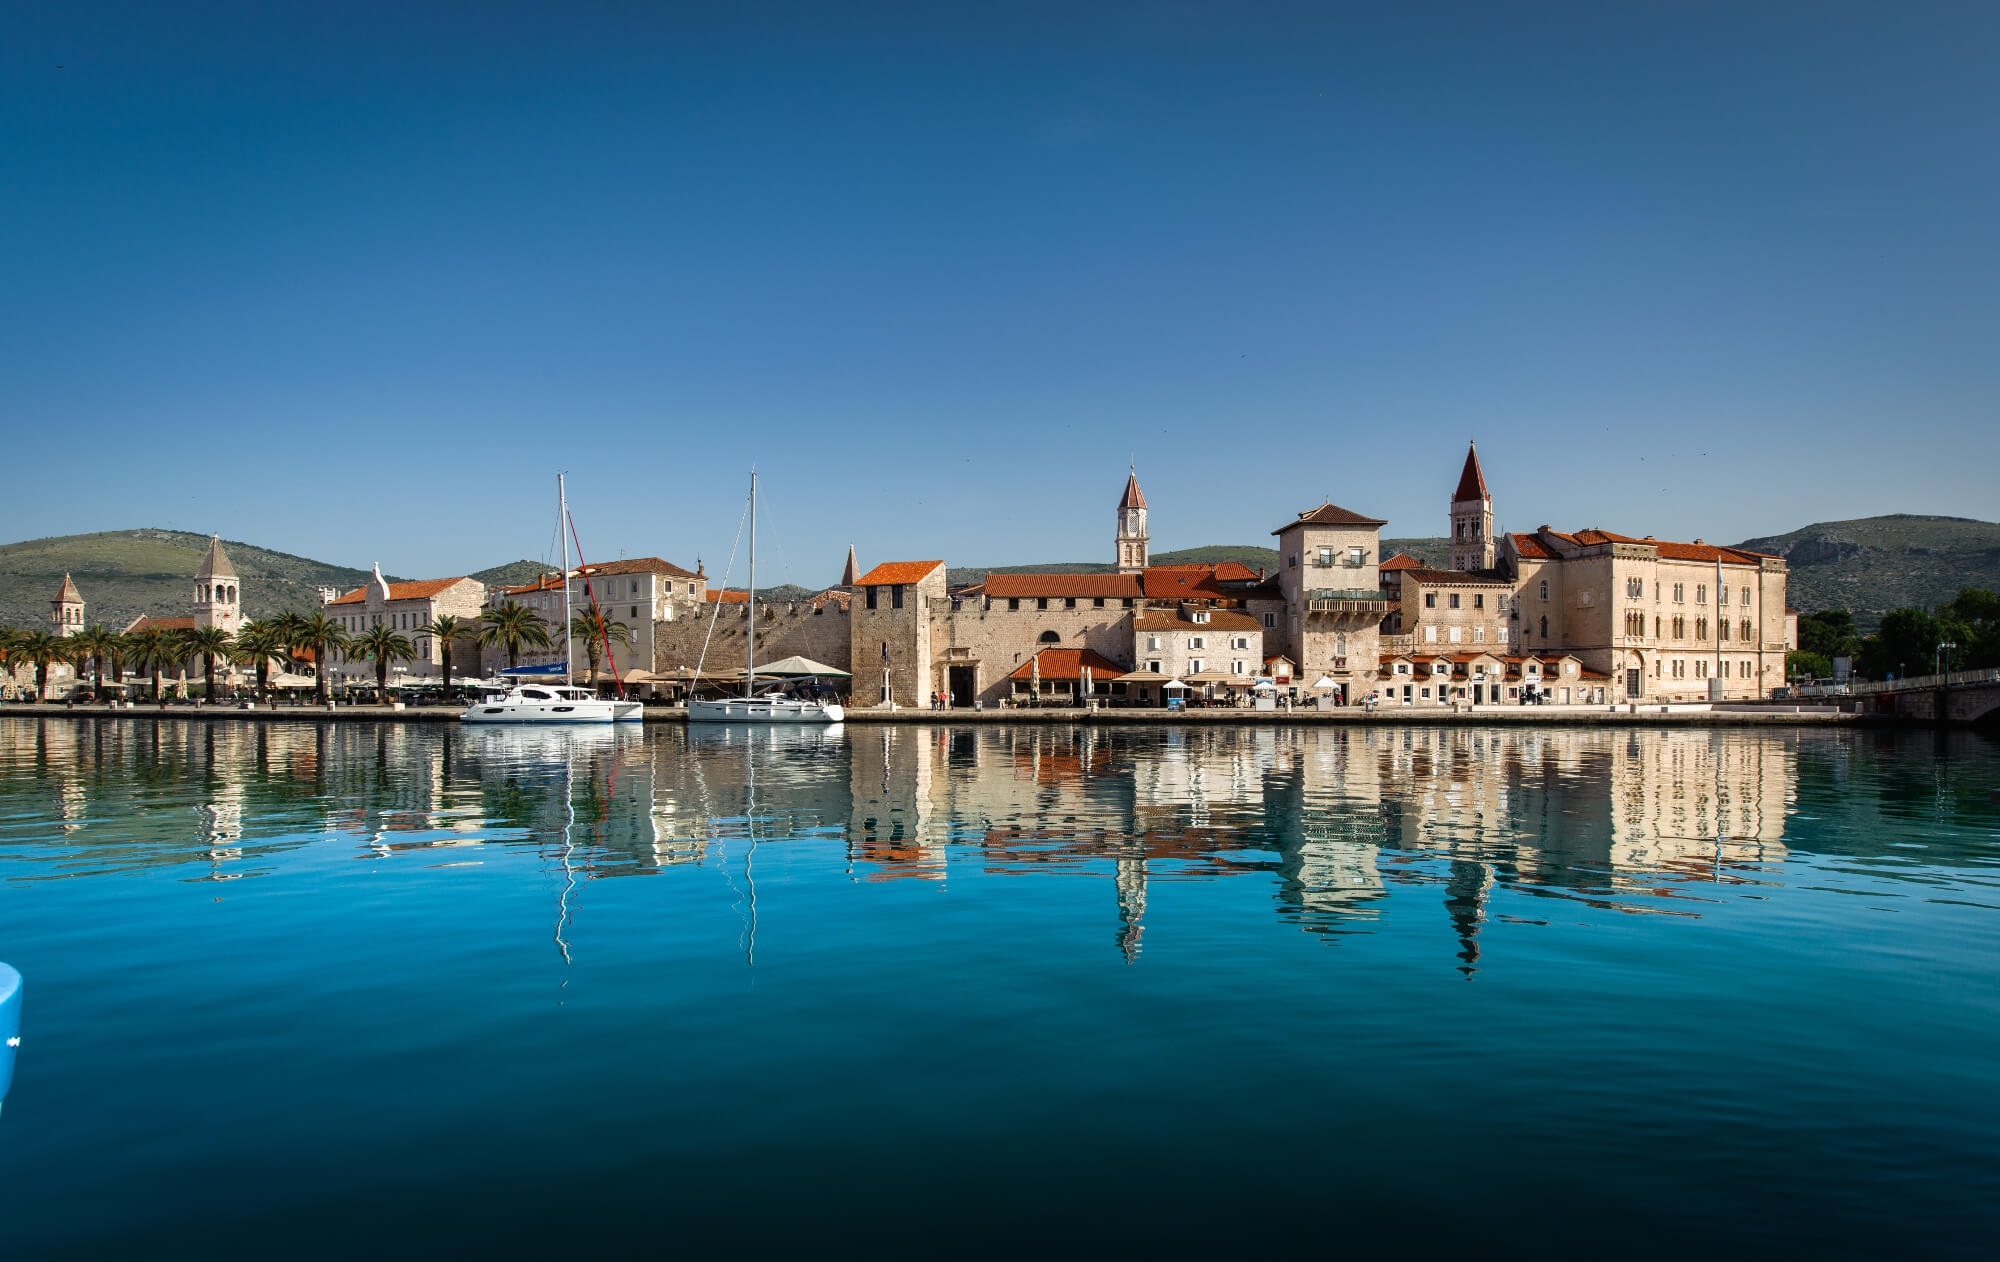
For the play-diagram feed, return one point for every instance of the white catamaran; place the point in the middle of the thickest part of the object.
(554, 703)
(772, 707)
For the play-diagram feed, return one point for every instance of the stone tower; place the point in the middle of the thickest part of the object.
(1132, 547)
(1471, 518)
(215, 594)
(851, 573)
(66, 610)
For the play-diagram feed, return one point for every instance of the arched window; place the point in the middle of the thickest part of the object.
(1049, 637)
(1545, 628)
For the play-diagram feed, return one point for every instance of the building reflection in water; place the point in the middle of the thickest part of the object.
(1331, 822)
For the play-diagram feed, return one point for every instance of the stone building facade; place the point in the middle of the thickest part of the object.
(66, 610)
(1645, 619)
(1330, 585)
(407, 608)
(891, 620)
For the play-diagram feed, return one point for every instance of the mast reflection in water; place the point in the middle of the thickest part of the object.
(1723, 968)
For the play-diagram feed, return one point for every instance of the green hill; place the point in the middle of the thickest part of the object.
(1874, 564)
(125, 573)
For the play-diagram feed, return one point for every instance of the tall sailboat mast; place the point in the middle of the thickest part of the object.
(750, 652)
(562, 522)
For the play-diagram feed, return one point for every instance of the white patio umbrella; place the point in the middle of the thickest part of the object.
(1174, 683)
(1325, 681)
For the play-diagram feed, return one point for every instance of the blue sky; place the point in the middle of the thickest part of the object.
(353, 280)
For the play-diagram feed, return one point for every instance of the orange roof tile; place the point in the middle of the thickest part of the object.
(1401, 561)
(717, 596)
(1532, 547)
(896, 573)
(1329, 514)
(1067, 664)
(1042, 586)
(1174, 620)
(150, 623)
(638, 565)
(545, 583)
(402, 591)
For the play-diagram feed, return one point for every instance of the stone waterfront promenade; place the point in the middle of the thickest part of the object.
(1590, 716)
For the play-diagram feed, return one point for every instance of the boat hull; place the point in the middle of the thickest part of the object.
(763, 710)
(559, 711)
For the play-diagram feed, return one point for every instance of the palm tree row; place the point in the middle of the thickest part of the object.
(288, 636)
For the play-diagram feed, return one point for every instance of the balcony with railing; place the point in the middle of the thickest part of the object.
(1346, 600)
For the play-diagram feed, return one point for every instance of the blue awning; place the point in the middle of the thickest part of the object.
(515, 672)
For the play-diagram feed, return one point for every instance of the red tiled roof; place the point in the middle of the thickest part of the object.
(1067, 664)
(67, 593)
(638, 565)
(1221, 571)
(1471, 483)
(1329, 514)
(404, 591)
(149, 623)
(546, 583)
(716, 596)
(1175, 620)
(1133, 497)
(896, 573)
(1033, 586)
(1401, 561)
(1667, 549)
(1456, 578)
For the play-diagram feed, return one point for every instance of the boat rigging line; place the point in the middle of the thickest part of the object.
(727, 569)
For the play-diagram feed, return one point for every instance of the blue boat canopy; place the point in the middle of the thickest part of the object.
(522, 672)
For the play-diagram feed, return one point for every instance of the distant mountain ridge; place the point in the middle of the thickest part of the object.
(1868, 565)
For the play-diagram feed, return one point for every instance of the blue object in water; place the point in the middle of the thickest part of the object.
(10, 1025)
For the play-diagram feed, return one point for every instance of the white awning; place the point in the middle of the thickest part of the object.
(1325, 681)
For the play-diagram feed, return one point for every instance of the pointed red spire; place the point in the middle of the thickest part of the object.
(1471, 483)
(1133, 497)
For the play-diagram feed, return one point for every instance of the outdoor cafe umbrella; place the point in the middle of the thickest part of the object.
(1174, 683)
(1325, 681)
(800, 666)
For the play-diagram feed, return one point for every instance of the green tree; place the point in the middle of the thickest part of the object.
(512, 628)
(40, 650)
(1811, 665)
(590, 626)
(152, 650)
(209, 644)
(446, 628)
(322, 637)
(95, 645)
(256, 644)
(1905, 646)
(1975, 617)
(1828, 632)
(384, 645)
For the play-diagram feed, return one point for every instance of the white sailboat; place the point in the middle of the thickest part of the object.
(772, 707)
(554, 703)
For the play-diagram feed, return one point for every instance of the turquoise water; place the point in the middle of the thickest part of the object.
(304, 990)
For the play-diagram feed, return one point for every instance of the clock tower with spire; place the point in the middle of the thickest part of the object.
(1133, 553)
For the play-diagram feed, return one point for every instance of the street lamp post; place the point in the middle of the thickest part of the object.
(1944, 646)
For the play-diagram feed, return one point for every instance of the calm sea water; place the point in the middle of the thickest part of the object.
(299, 990)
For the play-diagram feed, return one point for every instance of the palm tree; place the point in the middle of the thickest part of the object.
(384, 645)
(512, 627)
(590, 626)
(9, 637)
(94, 644)
(119, 651)
(151, 650)
(446, 628)
(207, 643)
(41, 649)
(287, 626)
(322, 636)
(256, 644)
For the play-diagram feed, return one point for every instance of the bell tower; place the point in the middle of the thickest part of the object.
(1471, 518)
(66, 610)
(215, 594)
(1133, 555)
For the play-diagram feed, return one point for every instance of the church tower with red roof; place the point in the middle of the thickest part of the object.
(1471, 518)
(1133, 552)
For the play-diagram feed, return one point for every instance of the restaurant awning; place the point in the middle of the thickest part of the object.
(799, 666)
(1325, 681)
